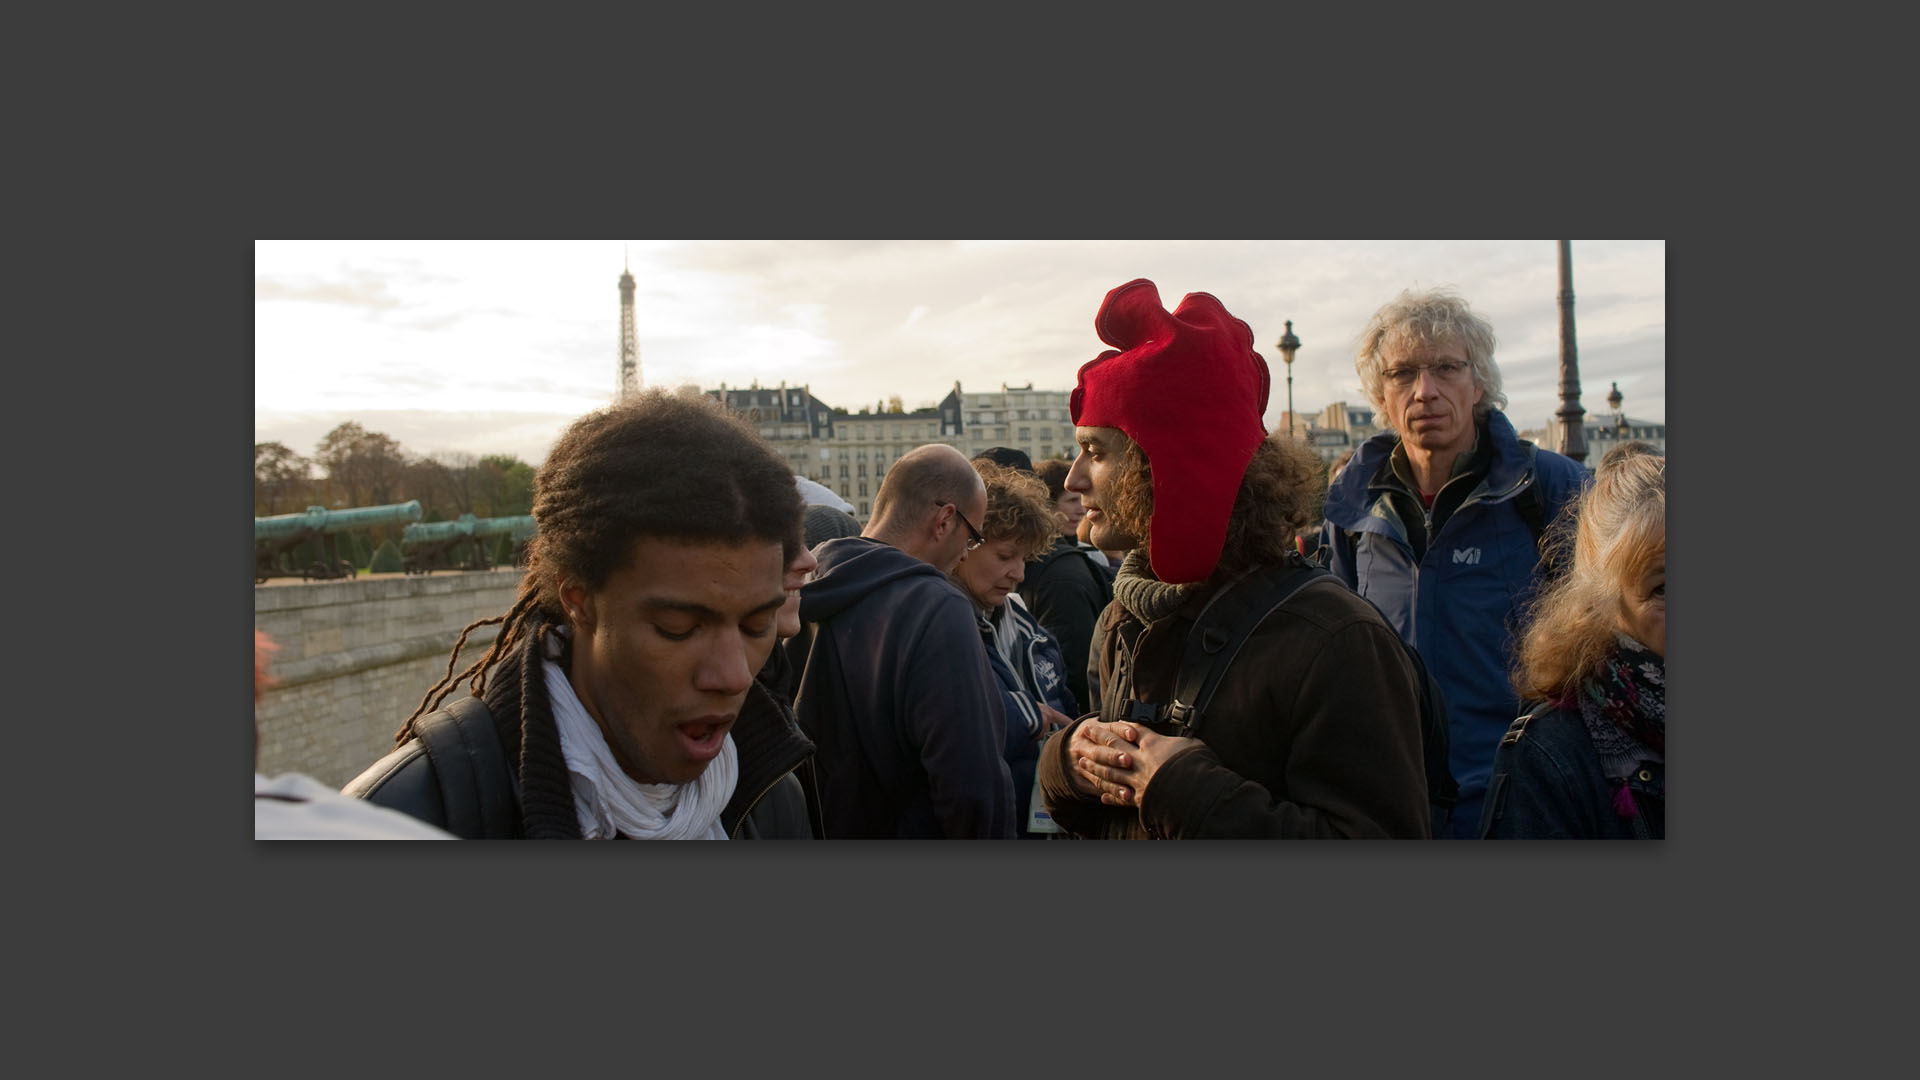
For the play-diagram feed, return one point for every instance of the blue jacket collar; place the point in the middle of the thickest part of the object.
(1348, 501)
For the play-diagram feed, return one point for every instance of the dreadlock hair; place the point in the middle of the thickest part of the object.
(1017, 509)
(656, 465)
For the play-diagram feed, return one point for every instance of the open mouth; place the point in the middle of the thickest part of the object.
(703, 739)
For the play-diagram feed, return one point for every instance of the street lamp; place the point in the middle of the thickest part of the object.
(1614, 399)
(1573, 428)
(1288, 345)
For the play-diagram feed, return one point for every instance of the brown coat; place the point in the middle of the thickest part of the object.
(1314, 731)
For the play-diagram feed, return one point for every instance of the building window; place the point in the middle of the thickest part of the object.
(1026, 435)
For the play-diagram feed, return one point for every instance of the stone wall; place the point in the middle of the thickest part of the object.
(356, 657)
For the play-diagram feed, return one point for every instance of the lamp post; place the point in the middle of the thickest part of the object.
(1573, 431)
(1614, 398)
(1288, 345)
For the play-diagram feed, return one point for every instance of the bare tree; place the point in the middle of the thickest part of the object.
(455, 475)
(334, 453)
(363, 465)
(282, 480)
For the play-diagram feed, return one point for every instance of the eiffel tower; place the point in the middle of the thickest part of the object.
(629, 376)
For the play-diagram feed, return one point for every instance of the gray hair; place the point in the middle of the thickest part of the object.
(1427, 319)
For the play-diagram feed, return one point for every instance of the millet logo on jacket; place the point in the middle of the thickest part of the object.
(1470, 556)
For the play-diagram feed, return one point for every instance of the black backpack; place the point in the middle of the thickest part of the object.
(1226, 623)
(478, 788)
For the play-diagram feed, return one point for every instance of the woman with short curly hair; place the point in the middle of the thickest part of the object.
(1020, 525)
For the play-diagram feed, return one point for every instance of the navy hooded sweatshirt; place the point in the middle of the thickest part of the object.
(896, 693)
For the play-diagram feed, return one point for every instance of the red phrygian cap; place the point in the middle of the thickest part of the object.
(1188, 388)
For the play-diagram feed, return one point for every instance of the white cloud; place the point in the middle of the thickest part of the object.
(520, 327)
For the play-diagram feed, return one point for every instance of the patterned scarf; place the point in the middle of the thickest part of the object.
(1624, 705)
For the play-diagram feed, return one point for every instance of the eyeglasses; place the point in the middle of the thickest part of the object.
(975, 539)
(1405, 375)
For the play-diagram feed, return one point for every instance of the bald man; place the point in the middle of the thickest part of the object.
(895, 689)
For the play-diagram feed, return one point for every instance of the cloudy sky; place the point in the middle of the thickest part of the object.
(494, 346)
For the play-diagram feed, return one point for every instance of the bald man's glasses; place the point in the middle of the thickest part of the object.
(974, 539)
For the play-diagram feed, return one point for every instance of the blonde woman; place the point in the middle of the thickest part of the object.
(1591, 760)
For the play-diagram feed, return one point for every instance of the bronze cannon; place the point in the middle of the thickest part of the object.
(274, 537)
(429, 546)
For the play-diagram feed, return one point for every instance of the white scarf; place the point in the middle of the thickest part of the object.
(610, 802)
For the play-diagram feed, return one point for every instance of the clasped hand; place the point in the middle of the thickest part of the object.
(1117, 761)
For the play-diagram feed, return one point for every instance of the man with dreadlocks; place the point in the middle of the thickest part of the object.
(620, 698)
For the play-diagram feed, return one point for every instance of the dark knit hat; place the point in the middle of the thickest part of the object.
(828, 523)
(1188, 388)
(1007, 457)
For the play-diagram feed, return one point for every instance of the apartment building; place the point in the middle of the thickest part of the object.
(850, 451)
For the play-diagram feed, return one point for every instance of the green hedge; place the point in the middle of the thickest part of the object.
(386, 559)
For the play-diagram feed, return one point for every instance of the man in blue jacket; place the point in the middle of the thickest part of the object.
(1436, 520)
(894, 689)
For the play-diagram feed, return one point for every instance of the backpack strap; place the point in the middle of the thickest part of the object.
(1531, 502)
(477, 787)
(1225, 624)
(1222, 627)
